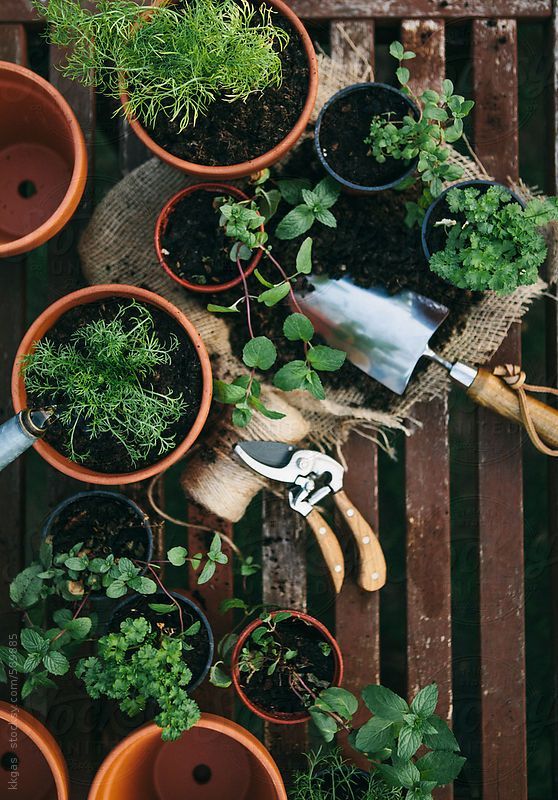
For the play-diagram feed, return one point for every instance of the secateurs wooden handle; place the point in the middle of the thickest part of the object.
(312, 476)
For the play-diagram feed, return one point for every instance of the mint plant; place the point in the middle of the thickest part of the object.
(492, 242)
(173, 60)
(310, 205)
(440, 122)
(393, 735)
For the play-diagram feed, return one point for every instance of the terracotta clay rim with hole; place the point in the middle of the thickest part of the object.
(44, 741)
(162, 222)
(106, 785)
(44, 323)
(279, 717)
(73, 195)
(266, 160)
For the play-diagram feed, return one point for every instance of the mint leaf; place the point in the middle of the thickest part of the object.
(222, 309)
(218, 676)
(260, 353)
(403, 75)
(374, 735)
(297, 327)
(339, 701)
(162, 608)
(327, 727)
(291, 376)
(384, 703)
(241, 417)
(326, 218)
(408, 742)
(426, 701)
(295, 223)
(56, 663)
(32, 641)
(207, 572)
(304, 257)
(327, 191)
(143, 585)
(440, 766)
(314, 385)
(227, 392)
(117, 589)
(177, 556)
(266, 412)
(79, 628)
(75, 564)
(291, 190)
(396, 50)
(326, 359)
(273, 296)
(443, 739)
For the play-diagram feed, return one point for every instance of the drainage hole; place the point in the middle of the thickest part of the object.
(9, 762)
(201, 774)
(27, 189)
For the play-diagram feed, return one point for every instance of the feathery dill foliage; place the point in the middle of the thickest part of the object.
(329, 777)
(174, 61)
(99, 380)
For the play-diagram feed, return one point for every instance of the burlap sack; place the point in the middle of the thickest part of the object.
(118, 247)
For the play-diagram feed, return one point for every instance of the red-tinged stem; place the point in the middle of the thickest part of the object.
(285, 278)
(247, 298)
(76, 614)
(169, 595)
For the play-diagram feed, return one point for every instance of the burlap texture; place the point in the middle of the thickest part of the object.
(118, 247)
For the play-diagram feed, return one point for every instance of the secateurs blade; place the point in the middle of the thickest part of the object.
(311, 476)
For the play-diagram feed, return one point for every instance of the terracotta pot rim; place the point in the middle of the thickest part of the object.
(245, 168)
(44, 322)
(211, 722)
(284, 718)
(160, 227)
(43, 740)
(74, 192)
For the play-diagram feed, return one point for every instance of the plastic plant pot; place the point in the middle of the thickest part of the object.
(435, 208)
(279, 717)
(163, 220)
(43, 160)
(395, 101)
(44, 323)
(32, 766)
(242, 170)
(214, 760)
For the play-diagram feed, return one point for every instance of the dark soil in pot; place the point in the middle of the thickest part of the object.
(231, 133)
(194, 245)
(182, 374)
(197, 659)
(345, 125)
(272, 692)
(104, 523)
(373, 245)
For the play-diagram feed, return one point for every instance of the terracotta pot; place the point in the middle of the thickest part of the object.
(216, 759)
(162, 222)
(278, 717)
(44, 323)
(43, 161)
(32, 766)
(272, 156)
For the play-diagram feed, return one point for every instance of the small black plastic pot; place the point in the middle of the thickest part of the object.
(438, 210)
(367, 100)
(136, 605)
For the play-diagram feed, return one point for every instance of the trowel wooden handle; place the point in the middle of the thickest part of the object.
(372, 571)
(491, 392)
(330, 547)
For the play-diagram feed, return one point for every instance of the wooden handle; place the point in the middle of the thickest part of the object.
(372, 572)
(491, 392)
(330, 547)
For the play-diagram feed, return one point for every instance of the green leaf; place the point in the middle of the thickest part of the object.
(273, 296)
(56, 663)
(79, 628)
(326, 725)
(297, 327)
(177, 556)
(32, 662)
(291, 376)
(291, 190)
(374, 735)
(259, 352)
(12, 658)
(228, 392)
(384, 703)
(143, 585)
(222, 309)
(435, 112)
(207, 572)
(407, 773)
(269, 413)
(338, 700)
(447, 87)
(241, 417)
(313, 384)
(396, 50)
(162, 608)
(304, 257)
(403, 75)
(425, 701)
(326, 218)
(440, 766)
(408, 742)
(45, 554)
(116, 589)
(218, 676)
(32, 641)
(443, 739)
(327, 191)
(295, 223)
(75, 564)
(262, 280)
(25, 588)
(326, 359)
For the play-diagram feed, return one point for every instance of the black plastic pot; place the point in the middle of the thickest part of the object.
(436, 211)
(136, 604)
(369, 97)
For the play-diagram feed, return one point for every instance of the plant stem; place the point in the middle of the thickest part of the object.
(247, 298)
(339, 720)
(169, 595)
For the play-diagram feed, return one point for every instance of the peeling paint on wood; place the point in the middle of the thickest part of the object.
(421, 9)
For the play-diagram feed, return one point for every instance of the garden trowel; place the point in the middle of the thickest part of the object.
(386, 335)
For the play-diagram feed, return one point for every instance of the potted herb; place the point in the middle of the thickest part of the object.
(281, 662)
(43, 160)
(192, 246)
(480, 235)
(328, 776)
(235, 108)
(130, 379)
(371, 136)
(32, 763)
(409, 747)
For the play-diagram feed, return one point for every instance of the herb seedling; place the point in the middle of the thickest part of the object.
(173, 61)
(99, 380)
(492, 242)
(328, 776)
(440, 122)
(241, 222)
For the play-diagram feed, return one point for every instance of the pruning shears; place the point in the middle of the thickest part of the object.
(311, 476)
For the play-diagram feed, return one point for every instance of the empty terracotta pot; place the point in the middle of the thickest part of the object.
(216, 759)
(32, 766)
(43, 161)
(40, 328)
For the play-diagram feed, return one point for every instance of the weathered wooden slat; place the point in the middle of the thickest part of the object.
(420, 9)
(500, 517)
(427, 39)
(17, 11)
(284, 585)
(12, 322)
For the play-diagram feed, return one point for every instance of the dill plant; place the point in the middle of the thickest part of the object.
(99, 381)
(171, 60)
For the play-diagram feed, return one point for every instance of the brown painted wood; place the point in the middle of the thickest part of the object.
(500, 468)
(427, 39)
(419, 9)
(17, 11)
